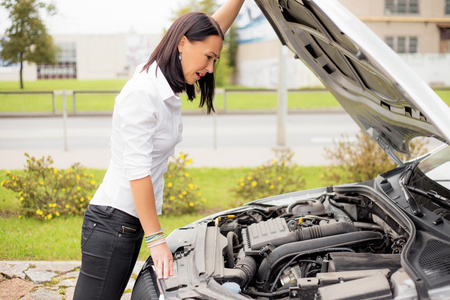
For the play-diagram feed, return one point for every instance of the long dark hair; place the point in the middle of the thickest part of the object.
(194, 26)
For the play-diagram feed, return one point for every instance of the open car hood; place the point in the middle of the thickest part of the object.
(388, 101)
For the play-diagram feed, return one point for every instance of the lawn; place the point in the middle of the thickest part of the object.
(59, 239)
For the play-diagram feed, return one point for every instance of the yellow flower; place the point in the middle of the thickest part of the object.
(191, 186)
(169, 184)
(57, 214)
(21, 198)
(172, 198)
(39, 212)
(199, 194)
(279, 178)
(79, 188)
(63, 189)
(249, 178)
(89, 197)
(254, 183)
(186, 174)
(78, 177)
(190, 160)
(267, 181)
(181, 156)
(191, 204)
(41, 183)
(8, 172)
(55, 170)
(49, 216)
(81, 199)
(67, 205)
(242, 184)
(19, 217)
(3, 182)
(92, 182)
(24, 184)
(180, 196)
(184, 193)
(92, 175)
(274, 161)
(271, 187)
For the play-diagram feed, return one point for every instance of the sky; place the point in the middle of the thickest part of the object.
(105, 16)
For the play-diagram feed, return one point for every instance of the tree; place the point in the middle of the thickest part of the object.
(27, 38)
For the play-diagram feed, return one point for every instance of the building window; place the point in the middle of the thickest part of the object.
(401, 6)
(403, 44)
(66, 68)
(447, 7)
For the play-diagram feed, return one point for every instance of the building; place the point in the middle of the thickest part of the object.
(89, 57)
(418, 30)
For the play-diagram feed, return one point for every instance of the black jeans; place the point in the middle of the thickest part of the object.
(110, 244)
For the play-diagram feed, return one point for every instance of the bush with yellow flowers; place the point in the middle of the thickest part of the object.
(277, 176)
(181, 195)
(46, 192)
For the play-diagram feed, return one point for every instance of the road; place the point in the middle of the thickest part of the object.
(227, 140)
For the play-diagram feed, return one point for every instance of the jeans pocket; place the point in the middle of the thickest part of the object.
(128, 229)
(86, 231)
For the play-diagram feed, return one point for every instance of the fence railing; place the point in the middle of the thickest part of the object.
(74, 93)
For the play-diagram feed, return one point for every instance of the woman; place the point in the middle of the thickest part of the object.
(146, 127)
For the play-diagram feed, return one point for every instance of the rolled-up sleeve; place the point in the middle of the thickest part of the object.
(138, 116)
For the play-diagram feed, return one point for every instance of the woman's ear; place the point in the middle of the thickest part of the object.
(182, 44)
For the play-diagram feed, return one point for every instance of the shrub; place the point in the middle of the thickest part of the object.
(181, 195)
(277, 176)
(363, 159)
(46, 192)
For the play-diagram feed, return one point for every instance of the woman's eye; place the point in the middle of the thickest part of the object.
(208, 57)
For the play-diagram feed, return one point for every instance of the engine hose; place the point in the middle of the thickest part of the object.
(285, 251)
(232, 239)
(243, 272)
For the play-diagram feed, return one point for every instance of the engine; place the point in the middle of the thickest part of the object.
(313, 249)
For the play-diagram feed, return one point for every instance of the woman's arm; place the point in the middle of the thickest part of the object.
(144, 201)
(226, 14)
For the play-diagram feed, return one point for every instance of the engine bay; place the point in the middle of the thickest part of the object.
(332, 245)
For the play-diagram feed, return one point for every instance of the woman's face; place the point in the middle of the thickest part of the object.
(198, 57)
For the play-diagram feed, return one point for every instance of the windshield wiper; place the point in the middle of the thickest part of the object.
(432, 195)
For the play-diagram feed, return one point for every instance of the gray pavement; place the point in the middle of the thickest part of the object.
(41, 280)
(227, 140)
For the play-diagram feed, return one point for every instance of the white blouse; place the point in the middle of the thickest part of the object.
(146, 127)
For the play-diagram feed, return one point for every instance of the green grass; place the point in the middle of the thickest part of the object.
(105, 102)
(59, 239)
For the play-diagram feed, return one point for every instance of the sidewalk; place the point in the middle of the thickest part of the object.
(42, 280)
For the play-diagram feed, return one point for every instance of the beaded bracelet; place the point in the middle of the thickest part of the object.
(159, 242)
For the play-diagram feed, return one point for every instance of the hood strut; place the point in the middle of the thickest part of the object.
(379, 137)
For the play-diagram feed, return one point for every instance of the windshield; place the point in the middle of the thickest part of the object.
(437, 166)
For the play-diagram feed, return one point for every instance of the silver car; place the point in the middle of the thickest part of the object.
(387, 238)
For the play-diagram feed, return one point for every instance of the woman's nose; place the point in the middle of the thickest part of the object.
(210, 67)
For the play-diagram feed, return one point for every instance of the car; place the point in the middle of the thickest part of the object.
(387, 238)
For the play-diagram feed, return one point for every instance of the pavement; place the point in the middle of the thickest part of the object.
(227, 140)
(43, 280)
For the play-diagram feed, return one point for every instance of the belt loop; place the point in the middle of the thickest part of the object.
(109, 210)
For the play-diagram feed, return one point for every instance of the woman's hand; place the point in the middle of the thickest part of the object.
(163, 260)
